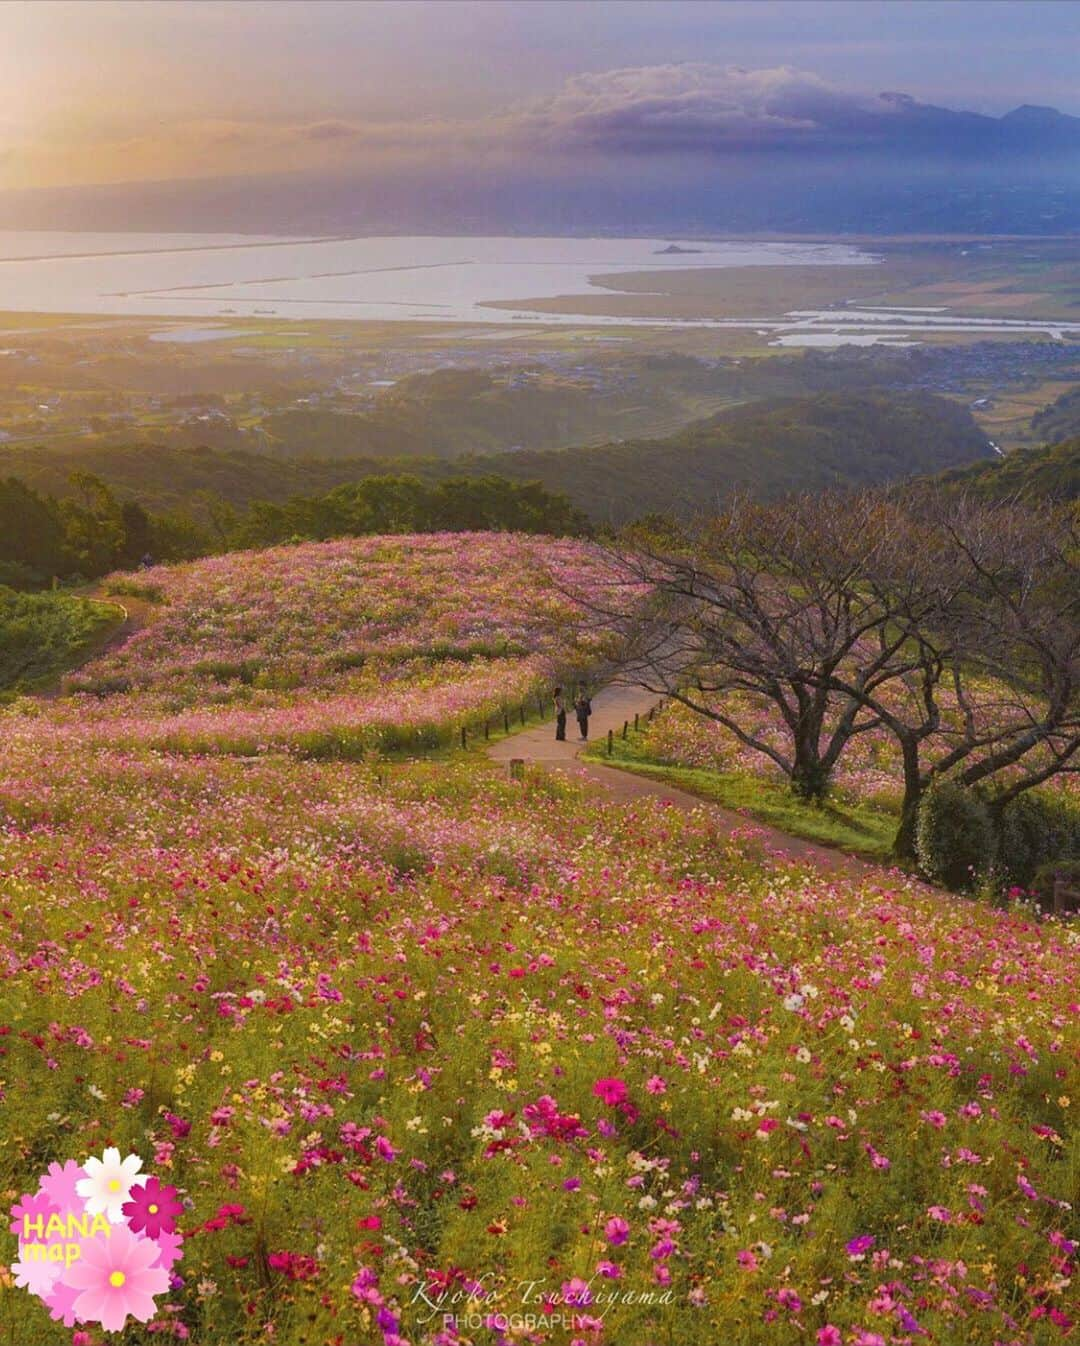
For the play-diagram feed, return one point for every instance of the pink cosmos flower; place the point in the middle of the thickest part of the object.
(60, 1301)
(858, 1246)
(829, 1336)
(788, 1299)
(385, 1150)
(656, 1084)
(152, 1209)
(746, 1259)
(169, 1245)
(616, 1231)
(27, 1212)
(610, 1091)
(58, 1184)
(117, 1279)
(36, 1275)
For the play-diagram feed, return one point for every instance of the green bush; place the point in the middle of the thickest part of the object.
(1035, 830)
(954, 837)
(1042, 884)
(43, 634)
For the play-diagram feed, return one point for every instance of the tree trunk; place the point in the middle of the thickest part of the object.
(903, 847)
(809, 775)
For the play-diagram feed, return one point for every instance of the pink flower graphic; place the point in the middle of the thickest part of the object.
(58, 1184)
(117, 1278)
(169, 1246)
(36, 1275)
(152, 1209)
(26, 1213)
(60, 1301)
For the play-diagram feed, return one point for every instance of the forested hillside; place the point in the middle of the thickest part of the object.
(1052, 471)
(766, 447)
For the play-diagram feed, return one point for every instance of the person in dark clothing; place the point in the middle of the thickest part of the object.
(583, 709)
(560, 716)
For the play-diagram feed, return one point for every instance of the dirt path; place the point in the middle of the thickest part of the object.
(611, 707)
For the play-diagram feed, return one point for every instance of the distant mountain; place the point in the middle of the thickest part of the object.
(889, 164)
(767, 448)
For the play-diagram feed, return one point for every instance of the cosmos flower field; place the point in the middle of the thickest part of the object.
(435, 1057)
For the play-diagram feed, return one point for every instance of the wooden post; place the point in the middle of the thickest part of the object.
(506, 721)
(625, 727)
(463, 739)
(522, 709)
(487, 730)
(540, 706)
(635, 722)
(610, 742)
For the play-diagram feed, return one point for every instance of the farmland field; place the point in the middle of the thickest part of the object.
(436, 1057)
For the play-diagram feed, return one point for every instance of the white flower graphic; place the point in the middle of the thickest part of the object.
(107, 1183)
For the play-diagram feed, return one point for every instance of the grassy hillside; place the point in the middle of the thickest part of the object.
(1052, 471)
(41, 635)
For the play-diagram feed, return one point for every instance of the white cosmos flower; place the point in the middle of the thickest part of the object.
(107, 1183)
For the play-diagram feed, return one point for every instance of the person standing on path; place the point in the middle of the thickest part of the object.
(560, 716)
(583, 709)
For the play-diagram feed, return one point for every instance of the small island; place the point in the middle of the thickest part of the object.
(673, 249)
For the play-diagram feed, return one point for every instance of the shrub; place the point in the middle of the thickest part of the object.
(954, 838)
(1042, 884)
(1036, 829)
(127, 588)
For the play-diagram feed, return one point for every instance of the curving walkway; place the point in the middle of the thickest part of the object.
(616, 703)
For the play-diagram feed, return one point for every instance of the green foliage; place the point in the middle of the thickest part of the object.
(1051, 472)
(89, 534)
(1047, 876)
(954, 836)
(1036, 829)
(766, 448)
(41, 635)
(405, 504)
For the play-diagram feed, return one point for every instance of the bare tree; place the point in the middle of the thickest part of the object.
(952, 626)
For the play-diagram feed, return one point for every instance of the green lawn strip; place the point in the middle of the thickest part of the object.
(43, 636)
(855, 828)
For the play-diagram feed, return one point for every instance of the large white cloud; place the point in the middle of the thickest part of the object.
(697, 106)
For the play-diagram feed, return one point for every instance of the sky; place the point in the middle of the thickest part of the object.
(100, 91)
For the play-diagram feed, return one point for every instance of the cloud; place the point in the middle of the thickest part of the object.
(691, 107)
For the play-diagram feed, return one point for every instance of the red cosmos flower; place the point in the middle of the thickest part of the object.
(152, 1209)
(610, 1091)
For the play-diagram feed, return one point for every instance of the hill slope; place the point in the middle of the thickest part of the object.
(767, 447)
(1052, 471)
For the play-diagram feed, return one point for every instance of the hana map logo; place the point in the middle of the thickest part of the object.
(97, 1241)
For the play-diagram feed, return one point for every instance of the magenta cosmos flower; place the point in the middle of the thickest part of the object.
(116, 1279)
(152, 1209)
(610, 1091)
